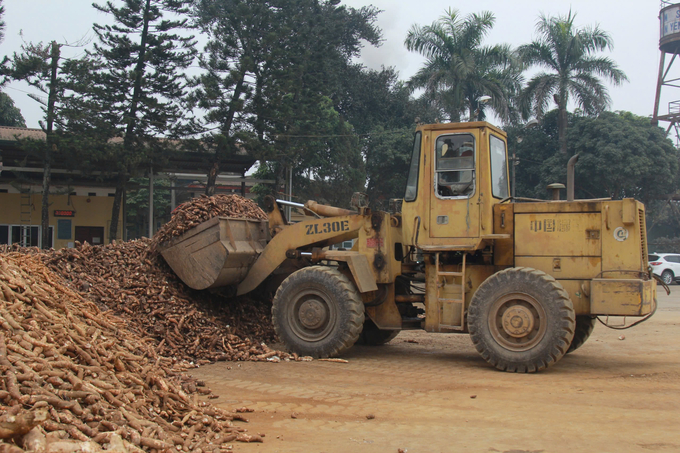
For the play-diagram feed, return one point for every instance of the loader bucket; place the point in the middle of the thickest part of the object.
(216, 253)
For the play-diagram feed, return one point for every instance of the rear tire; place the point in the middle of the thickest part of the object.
(317, 312)
(584, 327)
(667, 277)
(371, 335)
(521, 320)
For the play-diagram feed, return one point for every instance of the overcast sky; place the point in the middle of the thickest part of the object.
(633, 25)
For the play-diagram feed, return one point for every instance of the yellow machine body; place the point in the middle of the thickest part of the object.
(596, 249)
(442, 263)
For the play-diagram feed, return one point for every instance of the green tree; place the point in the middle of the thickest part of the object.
(5, 60)
(137, 204)
(322, 152)
(370, 99)
(139, 85)
(620, 155)
(574, 71)
(387, 164)
(309, 130)
(384, 115)
(2, 21)
(10, 115)
(459, 70)
(240, 37)
(534, 147)
(623, 155)
(272, 71)
(38, 65)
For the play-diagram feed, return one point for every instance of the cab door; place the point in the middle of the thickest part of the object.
(454, 201)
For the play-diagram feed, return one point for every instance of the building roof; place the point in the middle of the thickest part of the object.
(12, 133)
(13, 157)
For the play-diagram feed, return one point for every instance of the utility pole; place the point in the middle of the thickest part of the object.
(515, 162)
(151, 201)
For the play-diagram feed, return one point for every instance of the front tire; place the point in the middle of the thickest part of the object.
(317, 312)
(667, 277)
(521, 320)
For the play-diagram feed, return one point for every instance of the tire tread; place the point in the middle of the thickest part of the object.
(354, 308)
(566, 318)
(584, 327)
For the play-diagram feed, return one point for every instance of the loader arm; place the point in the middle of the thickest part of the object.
(291, 237)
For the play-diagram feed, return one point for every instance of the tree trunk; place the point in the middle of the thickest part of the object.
(117, 202)
(45, 214)
(562, 99)
(128, 140)
(562, 129)
(50, 147)
(225, 129)
(139, 76)
(212, 177)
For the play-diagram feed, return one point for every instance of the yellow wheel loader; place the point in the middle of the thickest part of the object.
(525, 278)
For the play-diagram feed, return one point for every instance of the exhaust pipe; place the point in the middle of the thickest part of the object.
(570, 177)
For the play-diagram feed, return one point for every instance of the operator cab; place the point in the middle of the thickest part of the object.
(458, 172)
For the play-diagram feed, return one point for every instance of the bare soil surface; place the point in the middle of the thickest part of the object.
(421, 392)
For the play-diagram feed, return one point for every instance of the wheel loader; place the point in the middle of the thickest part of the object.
(527, 279)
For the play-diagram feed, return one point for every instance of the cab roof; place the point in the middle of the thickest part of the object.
(460, 126)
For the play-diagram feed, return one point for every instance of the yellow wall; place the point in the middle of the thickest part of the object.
(92, 211)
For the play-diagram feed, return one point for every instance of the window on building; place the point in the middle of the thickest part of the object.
(64, 229)
(25, 235)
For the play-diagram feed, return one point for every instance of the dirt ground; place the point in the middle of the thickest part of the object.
(620, 392)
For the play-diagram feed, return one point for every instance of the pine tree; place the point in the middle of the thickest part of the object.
(10, 115)
(38, 65)
(140, 85)
(304, 123)
(273, 69)
(2, 22)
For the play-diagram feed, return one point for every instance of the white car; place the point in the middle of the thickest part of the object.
(666, 265)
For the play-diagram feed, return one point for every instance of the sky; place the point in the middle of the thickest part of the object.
(632, 24)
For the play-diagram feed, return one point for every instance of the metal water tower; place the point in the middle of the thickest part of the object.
(669, 45)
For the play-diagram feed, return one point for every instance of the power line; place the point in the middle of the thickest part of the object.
(17, 89)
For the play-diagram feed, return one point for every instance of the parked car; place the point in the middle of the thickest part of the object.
(665, 265)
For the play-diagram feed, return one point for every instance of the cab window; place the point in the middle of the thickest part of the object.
(412, 181)
(499, 168)
(455, 166)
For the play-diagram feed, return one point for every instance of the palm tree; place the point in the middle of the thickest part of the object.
(573, 70)
(459, 71)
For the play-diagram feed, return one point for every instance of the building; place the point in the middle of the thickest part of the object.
(80, 205)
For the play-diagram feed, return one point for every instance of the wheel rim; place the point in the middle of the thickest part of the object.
(312, 315)
(667, 279)
(517, 321)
